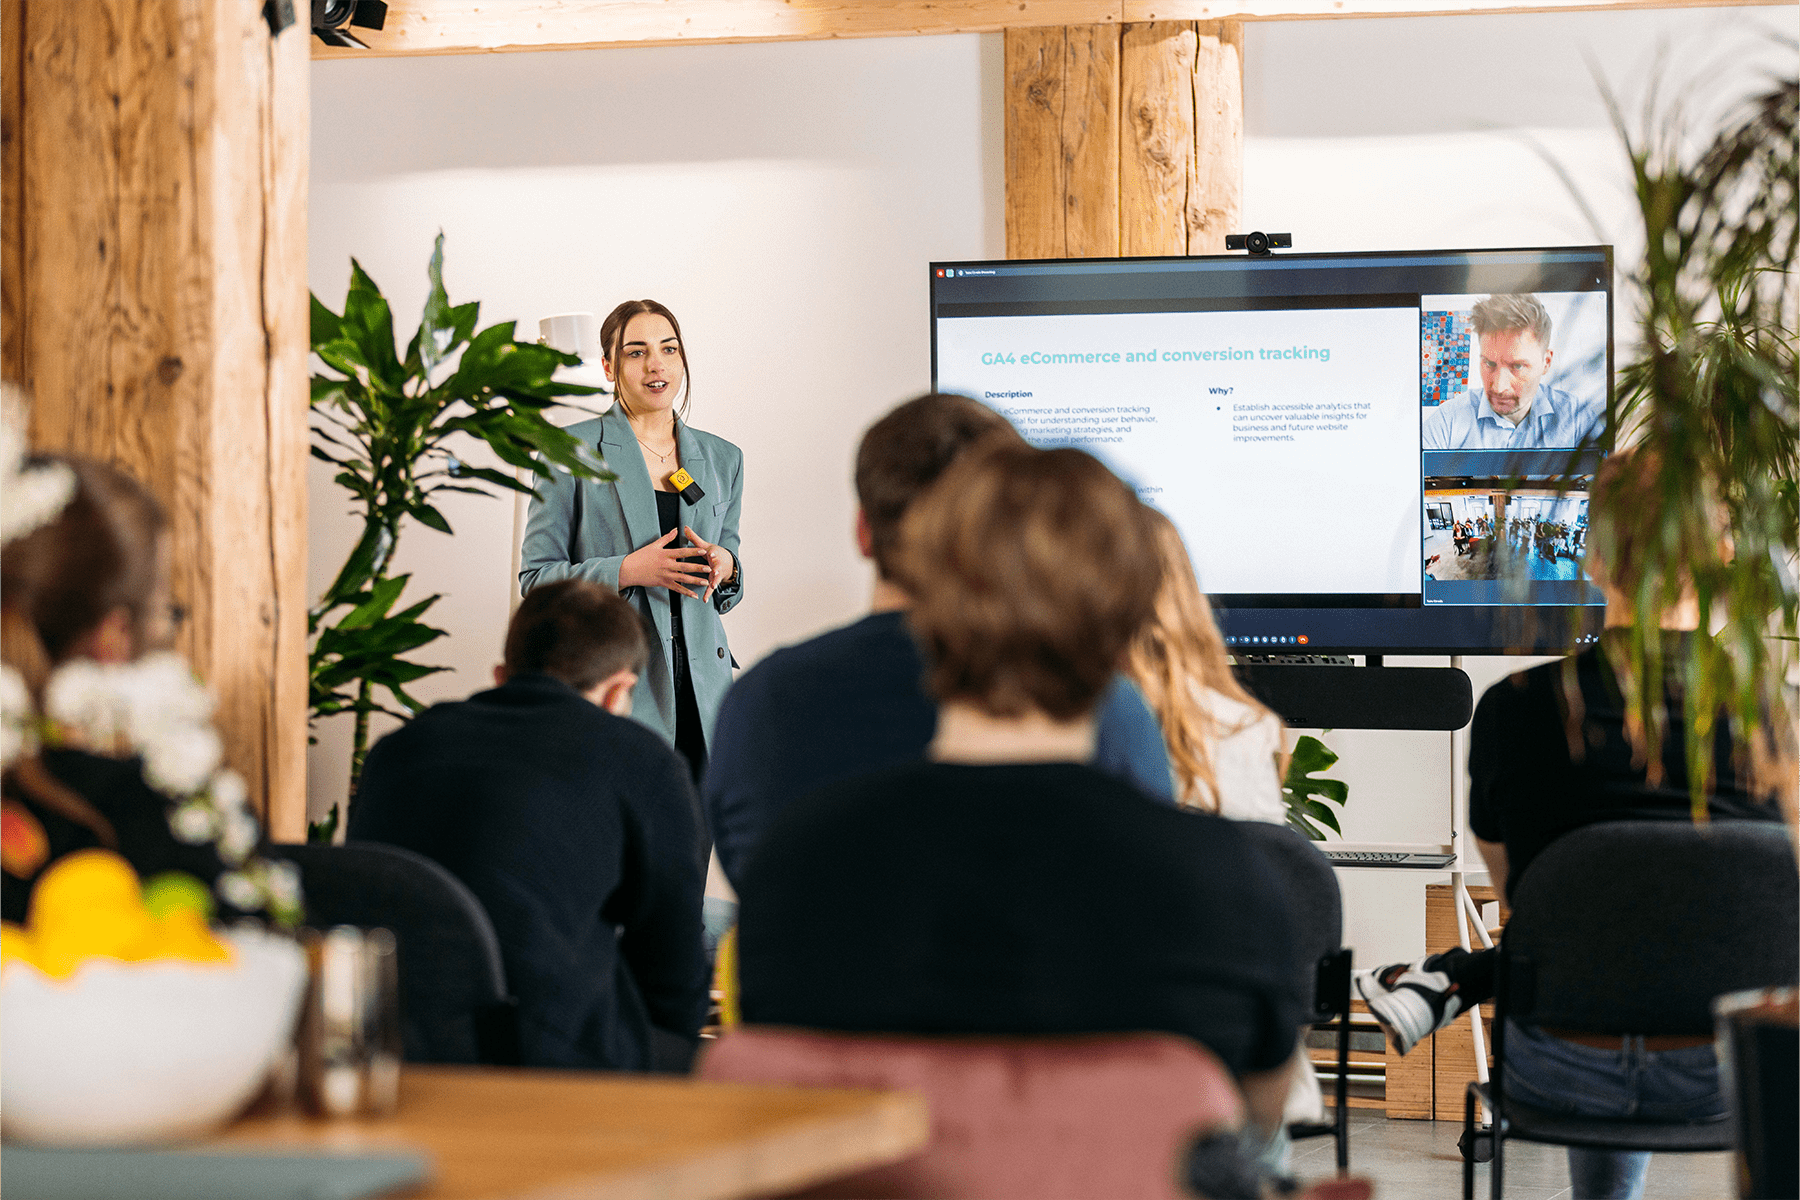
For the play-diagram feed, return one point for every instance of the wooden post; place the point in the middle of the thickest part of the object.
(1216, 188)
(1123, 140)
(1156, 156)
(155, 271)
(1062, 142)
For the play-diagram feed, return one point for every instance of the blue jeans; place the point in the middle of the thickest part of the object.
(1565, 1077)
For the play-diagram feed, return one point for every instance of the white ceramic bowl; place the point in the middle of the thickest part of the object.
(125, 1053)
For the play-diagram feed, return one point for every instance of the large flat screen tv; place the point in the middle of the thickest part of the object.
(1371, 453)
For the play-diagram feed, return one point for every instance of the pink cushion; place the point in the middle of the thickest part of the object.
(1101, 1115)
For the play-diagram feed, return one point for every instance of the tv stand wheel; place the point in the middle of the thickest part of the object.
(1477, 1145)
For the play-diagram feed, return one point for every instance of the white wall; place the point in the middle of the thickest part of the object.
(784, 198)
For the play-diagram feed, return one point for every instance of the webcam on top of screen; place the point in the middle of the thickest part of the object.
(1259, 243)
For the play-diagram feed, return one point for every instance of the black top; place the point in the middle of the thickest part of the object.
(1527, 786)
(577, 831)
(1016, 899)
(139, 816)
(668, 516)
(853, 700)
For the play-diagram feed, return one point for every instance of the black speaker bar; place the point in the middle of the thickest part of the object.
(1337, 697)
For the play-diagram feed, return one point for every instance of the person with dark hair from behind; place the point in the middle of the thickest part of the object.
(853, 700)
(575, 827)
(86, 622)
(1550, 751)
(1005, 886)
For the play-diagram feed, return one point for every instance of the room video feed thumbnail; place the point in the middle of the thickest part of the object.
(1512, 370)
(1489, 541)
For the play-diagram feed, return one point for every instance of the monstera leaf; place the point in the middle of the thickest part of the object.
(1304, 793)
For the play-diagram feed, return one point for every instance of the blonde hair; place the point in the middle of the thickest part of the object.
(1177, 648)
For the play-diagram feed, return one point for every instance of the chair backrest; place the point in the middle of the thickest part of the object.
(1102, 1115)
(454, 1006)
(1634, 926)
(1310, 884)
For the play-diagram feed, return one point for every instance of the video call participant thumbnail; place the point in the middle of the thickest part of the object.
(1005, 886)
(1515, 408)
(576, 828)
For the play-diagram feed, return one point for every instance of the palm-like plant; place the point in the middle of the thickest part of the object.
(1711, 403)
(384, 420)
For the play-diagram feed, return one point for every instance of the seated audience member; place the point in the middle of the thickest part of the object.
(574, 826)
(853, 700)
(1226, 747)
(114, 745)
(1526, 789)
(1004, 886)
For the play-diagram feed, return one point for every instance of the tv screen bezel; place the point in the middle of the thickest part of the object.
(1588, 617)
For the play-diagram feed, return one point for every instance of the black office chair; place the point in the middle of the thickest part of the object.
(1324, 963)
(454, 1006)
(1633, 927)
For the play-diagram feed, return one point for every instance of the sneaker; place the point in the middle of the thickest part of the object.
(1410, 1000)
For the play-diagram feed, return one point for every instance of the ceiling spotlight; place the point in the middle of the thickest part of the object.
(332, 19)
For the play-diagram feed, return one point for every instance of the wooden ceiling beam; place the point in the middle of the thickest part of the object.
(497, 26)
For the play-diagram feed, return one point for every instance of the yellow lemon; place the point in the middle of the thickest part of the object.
(183, 934)
(82, 882)
(16, 946)
(110, 931)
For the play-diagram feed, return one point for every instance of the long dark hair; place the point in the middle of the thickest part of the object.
(612, 341)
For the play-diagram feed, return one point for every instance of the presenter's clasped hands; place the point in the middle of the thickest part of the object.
(659, 565)
(722, 566)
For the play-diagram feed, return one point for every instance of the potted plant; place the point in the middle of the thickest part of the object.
(1712, 403)
(385, 420)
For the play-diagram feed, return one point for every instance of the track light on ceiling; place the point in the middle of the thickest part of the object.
(332, 19)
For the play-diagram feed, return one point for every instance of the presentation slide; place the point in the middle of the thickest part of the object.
(1267, 436)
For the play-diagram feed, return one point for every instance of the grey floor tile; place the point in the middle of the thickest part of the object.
(1418, 1160)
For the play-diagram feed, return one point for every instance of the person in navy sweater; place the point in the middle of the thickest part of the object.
(576, 827)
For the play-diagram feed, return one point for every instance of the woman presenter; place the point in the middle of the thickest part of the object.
(665, 533)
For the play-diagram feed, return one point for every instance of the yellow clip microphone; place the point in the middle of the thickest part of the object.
(684, 483)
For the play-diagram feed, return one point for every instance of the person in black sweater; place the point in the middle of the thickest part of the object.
(1005, 886)
(576, 828)
(1549, 753)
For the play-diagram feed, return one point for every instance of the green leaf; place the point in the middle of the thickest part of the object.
(437, 327)
(426, 514)
(381, 598)
(327, 326)
(1301, 785)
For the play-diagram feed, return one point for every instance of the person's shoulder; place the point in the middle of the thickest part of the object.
(716, 446)
(588, 430)
(847, 646)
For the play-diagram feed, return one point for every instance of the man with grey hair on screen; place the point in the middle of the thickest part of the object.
(1513, 409)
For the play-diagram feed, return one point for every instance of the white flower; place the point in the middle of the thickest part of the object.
(193, 823)
(18, 720)
(181, 760)
(82, 697)
(237, 838)
(30, 497)
(229, 792)
(163, 692)
(235, 888)
(284, 883)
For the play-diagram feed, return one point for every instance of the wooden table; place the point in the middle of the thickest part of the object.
(578, 1136)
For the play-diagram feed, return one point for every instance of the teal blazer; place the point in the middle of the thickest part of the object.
(584, 530)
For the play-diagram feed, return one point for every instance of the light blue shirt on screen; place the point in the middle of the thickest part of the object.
(1556, 420)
